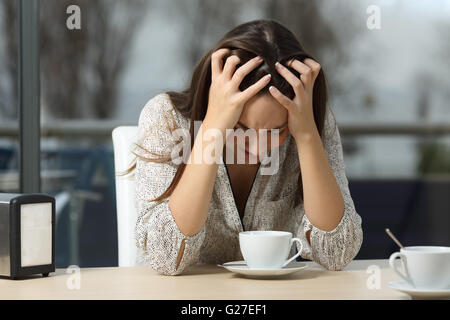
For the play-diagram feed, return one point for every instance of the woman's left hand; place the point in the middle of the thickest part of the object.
(300, 110)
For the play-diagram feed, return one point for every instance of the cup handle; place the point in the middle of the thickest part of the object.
(296, 255)
(392, 259)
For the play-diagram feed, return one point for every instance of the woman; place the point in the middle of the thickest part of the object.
(192, 212)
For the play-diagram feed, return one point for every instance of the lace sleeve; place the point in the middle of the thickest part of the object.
(336, 248)
(156, 233)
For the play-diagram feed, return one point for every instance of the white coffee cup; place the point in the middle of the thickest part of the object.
(424, 267)
(267, 249)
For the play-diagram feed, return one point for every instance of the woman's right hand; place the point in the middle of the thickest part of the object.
(226, 101)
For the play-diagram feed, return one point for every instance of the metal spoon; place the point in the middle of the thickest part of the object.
(393, 238)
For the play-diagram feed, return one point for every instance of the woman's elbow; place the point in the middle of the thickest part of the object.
(343, 255)
(168, 271)
(163, 267)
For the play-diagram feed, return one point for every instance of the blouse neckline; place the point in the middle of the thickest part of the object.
(246, 221)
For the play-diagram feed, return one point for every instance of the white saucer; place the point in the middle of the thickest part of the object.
(405, 287)
(242, 268)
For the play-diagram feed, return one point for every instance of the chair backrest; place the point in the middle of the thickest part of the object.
(123, 139)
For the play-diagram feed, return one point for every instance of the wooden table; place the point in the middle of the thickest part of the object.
(208, 282)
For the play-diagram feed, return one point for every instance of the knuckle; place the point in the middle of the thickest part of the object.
(234, 59)
(298, 84)
(239, 73)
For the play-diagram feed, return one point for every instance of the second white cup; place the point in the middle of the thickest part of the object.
(424, 267)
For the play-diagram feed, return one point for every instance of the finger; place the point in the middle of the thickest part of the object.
(230, 66)
(245, 69)
(281, 98)
(295, 82)
(306, 73)
(314, 65)
(256, 87)
(216, 61)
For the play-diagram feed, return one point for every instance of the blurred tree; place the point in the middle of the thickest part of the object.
(80, 69)
(434, 156)
(205, 22)
(432, 82)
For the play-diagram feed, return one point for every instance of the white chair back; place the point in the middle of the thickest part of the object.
(123, 139)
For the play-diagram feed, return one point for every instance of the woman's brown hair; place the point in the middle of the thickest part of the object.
(266, 38)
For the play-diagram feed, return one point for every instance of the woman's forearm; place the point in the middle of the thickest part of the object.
(190, 200)
(323, 201)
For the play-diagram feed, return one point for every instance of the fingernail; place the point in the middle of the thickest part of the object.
(278, 65)
(268, 76)
(259, 58)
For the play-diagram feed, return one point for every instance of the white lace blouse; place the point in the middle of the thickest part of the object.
(273, 204)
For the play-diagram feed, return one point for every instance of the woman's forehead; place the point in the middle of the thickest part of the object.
(263, 112)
